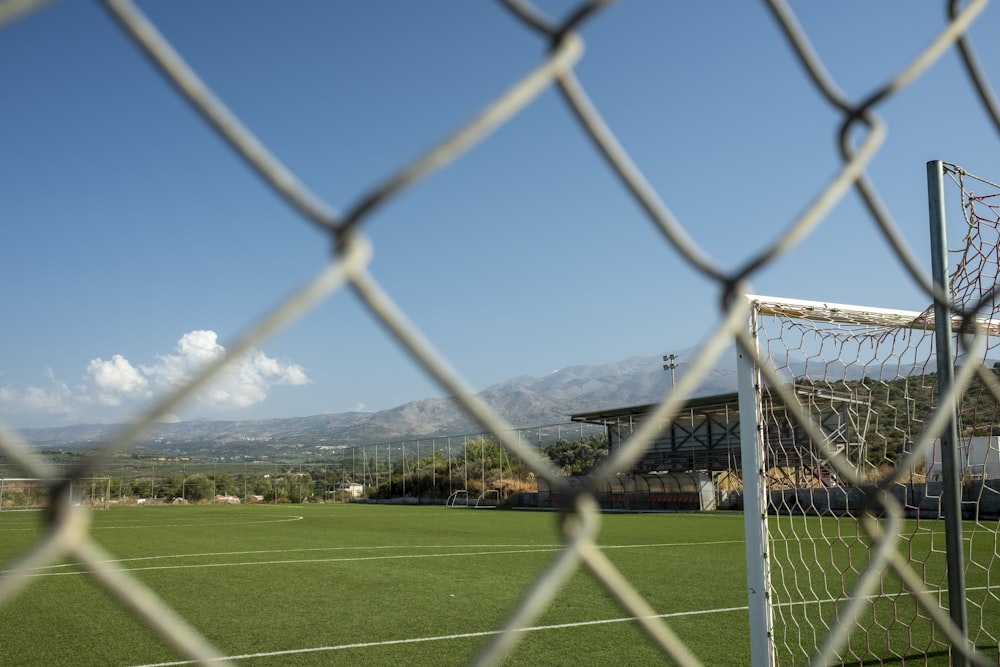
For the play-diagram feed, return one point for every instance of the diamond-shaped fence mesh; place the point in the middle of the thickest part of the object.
(861, 582)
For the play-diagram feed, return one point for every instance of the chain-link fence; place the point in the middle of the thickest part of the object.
(68, 536)
(420, 471)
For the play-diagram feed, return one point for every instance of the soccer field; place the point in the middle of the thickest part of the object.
(372, 585)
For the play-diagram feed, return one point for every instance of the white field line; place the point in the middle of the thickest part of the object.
(492, 550)
(463, 635)
(169, 525)
(294, 517)
(485, 633)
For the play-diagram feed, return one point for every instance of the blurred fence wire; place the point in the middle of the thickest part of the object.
(861, 131)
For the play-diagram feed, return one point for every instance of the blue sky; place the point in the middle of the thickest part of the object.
(134, 242)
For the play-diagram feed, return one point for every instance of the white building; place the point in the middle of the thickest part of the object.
(354, 489)
(978, 458)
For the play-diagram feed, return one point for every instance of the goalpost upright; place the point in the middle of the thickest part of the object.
(951, 493)
(755, 507)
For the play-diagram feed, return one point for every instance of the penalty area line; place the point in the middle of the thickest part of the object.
(438, 638)
(62, 569)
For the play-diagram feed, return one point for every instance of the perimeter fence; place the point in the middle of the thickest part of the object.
(69, 537)
(423, 470)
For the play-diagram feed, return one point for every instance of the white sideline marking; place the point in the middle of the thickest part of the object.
(287, 519)
(309, 549)
(170, 525)
(463, 635)
(485, 633)
(297, 561)
(504, 549)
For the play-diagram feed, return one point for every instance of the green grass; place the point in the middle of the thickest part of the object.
(375, 585)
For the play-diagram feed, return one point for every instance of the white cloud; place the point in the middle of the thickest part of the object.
(282, 373)
(118, 383)
(57, 399)
(115, 379)
(245, 382)
(193, 350)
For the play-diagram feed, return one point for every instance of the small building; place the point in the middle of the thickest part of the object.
(353, 489)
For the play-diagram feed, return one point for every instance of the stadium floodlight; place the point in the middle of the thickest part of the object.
(671, 364)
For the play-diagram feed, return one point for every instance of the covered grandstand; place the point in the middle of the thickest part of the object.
(704, 438)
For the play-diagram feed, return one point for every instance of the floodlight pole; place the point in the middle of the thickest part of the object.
(950, 464)
(671, 364)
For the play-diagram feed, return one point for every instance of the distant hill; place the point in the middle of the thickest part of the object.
(523, 402)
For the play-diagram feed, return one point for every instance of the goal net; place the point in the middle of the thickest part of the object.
(850, 479)
(23, 493)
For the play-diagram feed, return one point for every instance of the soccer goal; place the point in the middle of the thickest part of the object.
(458, 498)
(489, 499)
(25, 493)
(871, 461)
(845, 542)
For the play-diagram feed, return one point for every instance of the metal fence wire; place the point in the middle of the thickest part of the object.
(68, 535)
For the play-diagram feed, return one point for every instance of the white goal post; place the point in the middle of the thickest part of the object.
(29, 493)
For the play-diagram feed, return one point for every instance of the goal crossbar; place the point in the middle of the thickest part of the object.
(861, 315)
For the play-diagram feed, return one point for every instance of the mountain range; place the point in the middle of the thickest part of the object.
(522, 402)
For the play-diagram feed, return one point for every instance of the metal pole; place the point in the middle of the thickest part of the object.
(950, 465)
(671, 364)
(755, 499)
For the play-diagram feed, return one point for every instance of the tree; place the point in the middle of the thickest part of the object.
(198, 487)
(300, 487)
(580, 457)
(223, 483)
(140, 488)
(172, 486)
